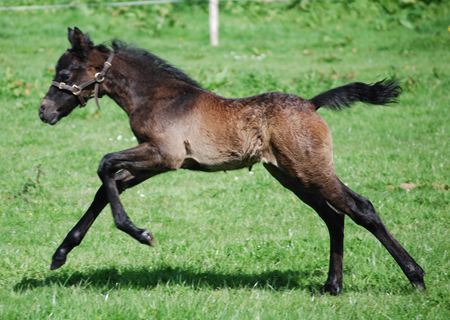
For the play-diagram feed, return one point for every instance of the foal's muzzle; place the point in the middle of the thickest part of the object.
(47, 115)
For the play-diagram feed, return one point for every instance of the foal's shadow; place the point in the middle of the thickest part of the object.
(148, 278)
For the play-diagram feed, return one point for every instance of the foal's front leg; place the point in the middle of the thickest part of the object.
(125, 179)
(142, 157)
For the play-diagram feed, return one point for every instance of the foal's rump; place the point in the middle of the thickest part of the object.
(300, 143)
(300, 140)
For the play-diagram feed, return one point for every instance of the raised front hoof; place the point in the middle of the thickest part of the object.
(147, 238)
(416, 279)
(56, 264)
(331, 289)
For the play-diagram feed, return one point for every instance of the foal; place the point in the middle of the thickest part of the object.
(180, 125)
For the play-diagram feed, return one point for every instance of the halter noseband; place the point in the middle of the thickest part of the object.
(78, 90)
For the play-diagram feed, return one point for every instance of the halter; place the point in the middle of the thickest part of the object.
(78, 90)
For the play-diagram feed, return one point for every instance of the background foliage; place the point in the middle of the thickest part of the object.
(236, 244)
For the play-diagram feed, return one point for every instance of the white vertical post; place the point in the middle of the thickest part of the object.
(214, 22)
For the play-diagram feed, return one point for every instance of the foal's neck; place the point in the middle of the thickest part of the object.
(132, 82)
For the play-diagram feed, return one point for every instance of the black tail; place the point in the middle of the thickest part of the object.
(343, 97)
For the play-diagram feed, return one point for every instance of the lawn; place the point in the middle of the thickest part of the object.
(230, 245)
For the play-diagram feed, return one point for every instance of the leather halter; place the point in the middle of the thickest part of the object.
(78, 90)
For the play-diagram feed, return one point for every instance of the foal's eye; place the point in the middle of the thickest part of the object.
(64, 76)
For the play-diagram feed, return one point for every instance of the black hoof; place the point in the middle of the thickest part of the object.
(420, 286)
(331, 289)
(147, 238)
(56, 264)
(416, 279)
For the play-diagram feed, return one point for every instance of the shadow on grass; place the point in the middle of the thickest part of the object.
(143, 278)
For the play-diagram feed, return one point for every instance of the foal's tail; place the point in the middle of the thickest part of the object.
(341, 97)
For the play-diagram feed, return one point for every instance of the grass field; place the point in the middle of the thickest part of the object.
(230, 245)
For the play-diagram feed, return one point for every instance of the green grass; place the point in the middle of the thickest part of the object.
(230, 245)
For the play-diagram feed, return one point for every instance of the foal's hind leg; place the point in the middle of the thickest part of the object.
(363, 213)
(302, 150)
(334, 221)
(124, 179)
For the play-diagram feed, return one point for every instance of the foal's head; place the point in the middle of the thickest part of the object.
(76, 66)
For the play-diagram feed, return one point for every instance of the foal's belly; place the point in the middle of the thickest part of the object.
(211, 166)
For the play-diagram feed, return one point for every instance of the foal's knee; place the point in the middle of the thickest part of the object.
(105, 165)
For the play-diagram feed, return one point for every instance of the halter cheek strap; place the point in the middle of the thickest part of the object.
(78, 90)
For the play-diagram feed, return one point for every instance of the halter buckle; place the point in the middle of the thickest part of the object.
(97, 77)
(76, 92)
(61, 84)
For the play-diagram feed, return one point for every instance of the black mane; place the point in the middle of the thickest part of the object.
(120, 46)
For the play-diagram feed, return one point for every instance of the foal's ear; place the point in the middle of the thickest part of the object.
(80, 42)
(76, 38)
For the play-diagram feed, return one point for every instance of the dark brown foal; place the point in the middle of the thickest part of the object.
(180, 125)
